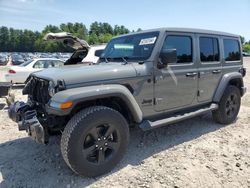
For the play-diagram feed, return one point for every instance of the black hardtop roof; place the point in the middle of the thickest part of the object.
(187, 30)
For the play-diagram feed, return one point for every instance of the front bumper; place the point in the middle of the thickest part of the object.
(26, 118)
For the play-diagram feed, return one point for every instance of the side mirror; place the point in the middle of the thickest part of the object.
(98, 53)
(167, 56)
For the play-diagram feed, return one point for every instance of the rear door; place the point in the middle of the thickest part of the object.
(210, 66)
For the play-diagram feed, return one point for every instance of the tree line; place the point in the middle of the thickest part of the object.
(245, 44)
(16, 40)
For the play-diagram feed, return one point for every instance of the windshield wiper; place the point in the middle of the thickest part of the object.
(125, 60)
(106, 59)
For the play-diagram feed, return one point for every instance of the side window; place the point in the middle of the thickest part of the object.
(231, 50)
(39, 65)
(183, 46)
(209, 49)
(49, 64)
(58, 63)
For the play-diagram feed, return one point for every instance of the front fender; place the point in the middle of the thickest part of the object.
(82, 94)
(224, 82)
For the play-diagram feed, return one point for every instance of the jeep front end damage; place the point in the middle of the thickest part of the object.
(33, 115)
(26, 118)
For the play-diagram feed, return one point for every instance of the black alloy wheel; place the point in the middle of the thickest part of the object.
(100, 143)
(95, 140)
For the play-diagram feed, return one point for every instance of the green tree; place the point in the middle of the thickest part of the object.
(119, 30)
(4, 39)
(80, 31)
(94, 29)
(93, 39)
(29, 41)
(14, 39)
(104, 38)
(246, 47)
(99, 28)
(242, 39)
(51, 28)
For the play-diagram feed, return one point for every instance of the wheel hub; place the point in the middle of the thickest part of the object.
(101, 143)
(231, 105)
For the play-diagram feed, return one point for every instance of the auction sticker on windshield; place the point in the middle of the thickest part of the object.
(147, 41)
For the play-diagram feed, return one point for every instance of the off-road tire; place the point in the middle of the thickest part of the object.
(79, 128)
(221, 115)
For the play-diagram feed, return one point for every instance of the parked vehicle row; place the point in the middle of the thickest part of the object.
(246, 54)
(3, 60)
(25, 63)
(16, 59)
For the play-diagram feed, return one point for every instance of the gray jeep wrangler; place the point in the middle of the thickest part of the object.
(148, 79)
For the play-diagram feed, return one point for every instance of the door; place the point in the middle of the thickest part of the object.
(209, 67)
(176, 85)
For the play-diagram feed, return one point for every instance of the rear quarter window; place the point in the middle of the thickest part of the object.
(39, 65)
(58, 63)
(231, 49)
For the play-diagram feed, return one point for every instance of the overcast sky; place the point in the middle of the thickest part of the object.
(223, 15)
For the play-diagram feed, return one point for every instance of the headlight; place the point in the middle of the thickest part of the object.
(51, 89)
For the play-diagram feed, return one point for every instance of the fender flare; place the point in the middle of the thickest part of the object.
(82, 94)
(223, 84)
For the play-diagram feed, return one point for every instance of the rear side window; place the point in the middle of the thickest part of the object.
(58, 63)
(209, 49)
(183, 46)
(39, 64)
(231, 50)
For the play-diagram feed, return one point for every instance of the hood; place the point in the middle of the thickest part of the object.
(67, 39)
(80, 75)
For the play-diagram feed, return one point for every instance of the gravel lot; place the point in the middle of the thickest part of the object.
(193, 153)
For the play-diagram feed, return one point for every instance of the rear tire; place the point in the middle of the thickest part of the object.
(229, 106)
(94, 141)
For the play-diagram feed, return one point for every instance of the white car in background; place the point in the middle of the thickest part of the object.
(19, 74)
(91, 58)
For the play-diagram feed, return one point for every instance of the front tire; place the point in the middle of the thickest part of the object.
(229, 106)
(94, 140)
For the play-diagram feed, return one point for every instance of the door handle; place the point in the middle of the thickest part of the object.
(191, 74)
(216, 71)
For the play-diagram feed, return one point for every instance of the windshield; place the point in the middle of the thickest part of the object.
(131, 47)
(17, 57)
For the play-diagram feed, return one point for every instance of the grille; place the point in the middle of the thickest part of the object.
(37, 89)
